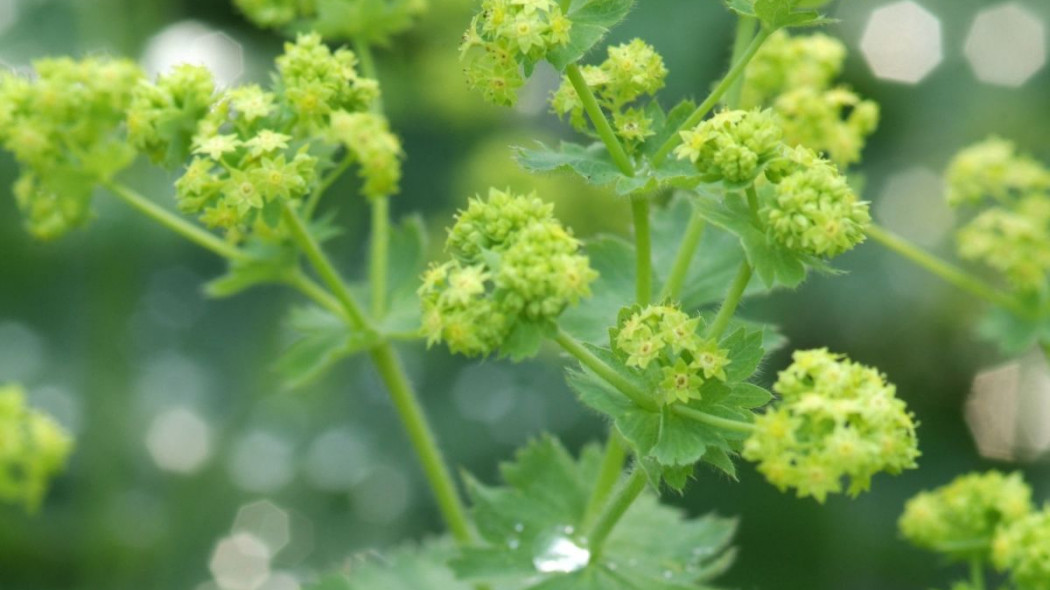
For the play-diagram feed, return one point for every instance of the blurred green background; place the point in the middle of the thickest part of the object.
(184, 436)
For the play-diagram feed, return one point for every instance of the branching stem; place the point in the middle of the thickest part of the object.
(694, 232)
(643, 249)
(608, 475)
(598, 119)
(379, 255)
(732, 300)
(614, 510)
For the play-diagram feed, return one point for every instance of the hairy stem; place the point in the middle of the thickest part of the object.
(608, 475)
(324, 267)
(316, 293)
(379, 255)
(712, 99)
(614, 510)
(946, 271)
(598, 119)
(746, 27)
(177, 224)
(423, 441)
(694, 232)
(607, 373)
(732, 300)
(643, 249)
(711, 420)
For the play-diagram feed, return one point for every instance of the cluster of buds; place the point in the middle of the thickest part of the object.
(971, 508)
(513, 266)
(732, 146)
(1013, 235)
(1023, 548)
(367, 20)
(631, 71)
(795, 76)
(836, 419)
(252, 149)
(63, 126)
(506, 37)
(812, 209)
(663, 344)
(33, 448)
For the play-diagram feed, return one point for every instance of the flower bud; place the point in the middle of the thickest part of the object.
(163, 116)
(1023, 548)
(33, 448)
(732, 145)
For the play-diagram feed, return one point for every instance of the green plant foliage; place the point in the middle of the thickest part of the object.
(535, 533)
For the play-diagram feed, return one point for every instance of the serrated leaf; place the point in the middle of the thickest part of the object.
(543, 505)
(266, 264)
(590, 162)
(413, 567)
(747, 395)
(525, 340)
(745, 350)
(772, 263)
(718, 458)
(323, 339)
(590, 22)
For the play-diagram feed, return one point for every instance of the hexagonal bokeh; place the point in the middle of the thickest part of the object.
(912, 205)
(240, 562)
(1006, 45)
(1009, 409)
(265, 521)
(260, 461)
(281, 581)
(902, 42)
(179, 440)
(195, 43)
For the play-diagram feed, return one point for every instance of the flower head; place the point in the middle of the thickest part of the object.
(33, 448)
(836, 419)
(732, 145)
(1023, 548)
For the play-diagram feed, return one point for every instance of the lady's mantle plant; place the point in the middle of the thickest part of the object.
(658, 348)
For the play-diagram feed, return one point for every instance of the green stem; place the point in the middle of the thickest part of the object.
(608, 475)
(177, 224)
(752, 204)
(316, 293)
(736, 292)
(368, 68)
(977, 573)
(614, 511)
(643, 249)
(326, 183)
(329, 275)
(380, 254)
(423, 441)
(607, 373)
(745, 33)
(712, 420)
(601, 124)
(945, 271)
(694, 232)
(712, 100)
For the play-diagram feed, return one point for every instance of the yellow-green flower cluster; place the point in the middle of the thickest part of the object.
(1012, 236)
(813, 210)
(506, 36)
(255, 149)
(512, 264)
(371, 20)
(732, 146)
(63, 126)
(795, 76)
(33, 448)
(836, 419)
(960, 519)
(315, 81)
(1023, 548)
(162, 118)
(368, 139)
(631, 71)
(663, 343)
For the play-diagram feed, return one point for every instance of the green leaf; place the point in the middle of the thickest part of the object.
(591, 20)
(268, 263)
(778, 14)
(525, 340)
(773, 263)
(745, 350)
(323, 339)
(1013, 334)
(543, 504)
(413, 567)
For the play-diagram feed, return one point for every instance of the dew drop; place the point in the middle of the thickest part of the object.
(561, 555)
(519, 527)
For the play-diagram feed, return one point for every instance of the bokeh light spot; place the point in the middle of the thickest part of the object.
(1006, 45)
(902, 42)
(1009, 409)
(265, 521)
(912, 205)
(261, 462)
(240, 562)
(179, 440)
(195, 43)
(337, 460)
